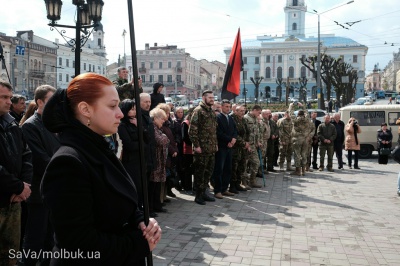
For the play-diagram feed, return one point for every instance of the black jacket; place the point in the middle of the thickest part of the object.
(15, 160)
(149, 139)
(91, 198)
(43, 145)
(339, 132)
(225, 132)
(386, 136)
(156, 98)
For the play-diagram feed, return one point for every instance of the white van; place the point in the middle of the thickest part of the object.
(370, 118)
(181, 100)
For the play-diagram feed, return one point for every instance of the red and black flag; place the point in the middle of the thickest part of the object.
(231, 86)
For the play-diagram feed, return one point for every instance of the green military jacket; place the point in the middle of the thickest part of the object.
(252, 125)
(203, 129)
(326, 131)
(266, 132)
(301, 125)
(125, 89)
(242, 132)
(285, 127)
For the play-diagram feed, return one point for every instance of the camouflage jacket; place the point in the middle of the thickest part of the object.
(242, 132)
(285, 127)
(252, 125)
(266, 132)
(125, 89)
(326, 131)
(301, 125)
(203, 129)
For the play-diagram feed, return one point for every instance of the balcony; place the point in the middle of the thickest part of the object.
(179, 69)
(36, 74)
(142, 70)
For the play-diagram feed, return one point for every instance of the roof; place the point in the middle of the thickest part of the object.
(327, 41)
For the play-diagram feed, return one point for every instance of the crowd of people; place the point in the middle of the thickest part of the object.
(70, 165)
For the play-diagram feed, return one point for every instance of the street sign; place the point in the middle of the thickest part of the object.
(20, 50)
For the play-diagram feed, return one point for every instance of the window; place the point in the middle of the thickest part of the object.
(60, 77)
(169, 78)
(303, 57)
(67, 62)
(178, 63)
(294, 2)
(393, 116)
(256, 74)
(268, 73)
(169, 64)
(151, 65)
(143, 78)
(257, 60)
(268, 59)
(294, 26)
(303, 71)
(160, 65)
(99, 42)
(90, 67)
(279, 58)
(244, 75)
(244, 60)
(84, 66)
(66, 77)
(291, 72)
(369, 118)
(279, 73)
(160, 78)
(355, 58)
(60, 61)
(142, 64)
(178, 78)
(151, 77)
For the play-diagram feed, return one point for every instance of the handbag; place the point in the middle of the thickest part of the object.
(385, 151)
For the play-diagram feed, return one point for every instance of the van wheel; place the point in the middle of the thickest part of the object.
(365, 151)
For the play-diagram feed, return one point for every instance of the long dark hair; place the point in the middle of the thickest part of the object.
(125, 106)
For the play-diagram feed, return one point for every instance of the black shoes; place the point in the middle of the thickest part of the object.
(206, 197)
(356, 167)
(199, 200)
(315, 166)
(271, 170)
(233, 189)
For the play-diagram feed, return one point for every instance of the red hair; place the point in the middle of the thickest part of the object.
(86, 88)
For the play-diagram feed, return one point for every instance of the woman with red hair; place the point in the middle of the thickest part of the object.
(92, 199)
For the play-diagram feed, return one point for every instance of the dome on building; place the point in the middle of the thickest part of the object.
(99, 27)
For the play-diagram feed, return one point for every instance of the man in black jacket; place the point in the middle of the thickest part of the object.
(15, 177)
(338, 144)
(315, 141)
(157, 97)
(43, 144)
(18, 106)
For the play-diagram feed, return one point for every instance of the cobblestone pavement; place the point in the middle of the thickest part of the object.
(349, 217)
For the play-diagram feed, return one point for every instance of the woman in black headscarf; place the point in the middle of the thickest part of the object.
(92, 200)
(384, 138)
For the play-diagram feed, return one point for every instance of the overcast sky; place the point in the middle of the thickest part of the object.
(205, 27)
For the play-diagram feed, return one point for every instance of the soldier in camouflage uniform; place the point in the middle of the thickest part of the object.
(285, 127)
(266, 134)
(203, 135)
(302, 136)
(239, 149)
(124, 88)
(310, 145)
(255, 143)
(326, 134)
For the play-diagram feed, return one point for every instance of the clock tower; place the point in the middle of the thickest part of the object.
(295, 18)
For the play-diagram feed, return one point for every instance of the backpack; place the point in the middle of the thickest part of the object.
(396, 154)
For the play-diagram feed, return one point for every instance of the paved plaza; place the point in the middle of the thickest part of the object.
(349, 217)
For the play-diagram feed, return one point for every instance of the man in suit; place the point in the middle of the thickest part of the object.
(314, 142)
(226, 136)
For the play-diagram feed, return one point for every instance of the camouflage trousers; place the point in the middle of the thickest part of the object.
(10, 233)
(329, 149)
(285, 153)
(238, 165)
(253, 162)
(300, 149)
(203, 166)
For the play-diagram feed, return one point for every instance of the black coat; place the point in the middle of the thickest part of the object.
(92, 201)
(15, 160)
(339, 133)
(156, 98)
(386, 136)
(225, 131)
(43, 145)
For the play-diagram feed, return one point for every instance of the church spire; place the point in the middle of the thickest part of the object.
(295, 18)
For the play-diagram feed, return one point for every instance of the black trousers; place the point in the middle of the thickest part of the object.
(186, 179)
(154, 196)
(339, 153)
(355, 157)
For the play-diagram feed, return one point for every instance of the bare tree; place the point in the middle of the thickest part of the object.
(344, 80)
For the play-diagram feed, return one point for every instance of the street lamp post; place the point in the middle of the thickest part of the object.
(86, 12)
(320, 99)
(256, 83)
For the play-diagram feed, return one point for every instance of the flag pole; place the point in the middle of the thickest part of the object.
(143, 167)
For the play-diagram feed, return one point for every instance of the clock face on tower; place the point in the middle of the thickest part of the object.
(291, 57)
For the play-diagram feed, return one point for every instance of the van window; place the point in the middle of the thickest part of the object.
(393, 116)
(369, 118)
